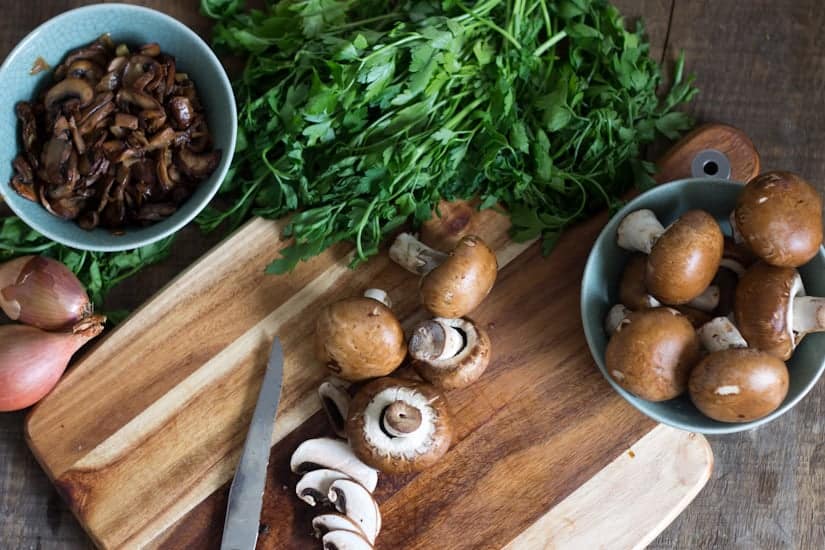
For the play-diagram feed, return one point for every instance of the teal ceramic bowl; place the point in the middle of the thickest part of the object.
(600, 291)
(132, 25)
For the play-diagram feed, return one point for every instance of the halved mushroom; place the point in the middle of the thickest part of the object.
(335, 402)
(772, 311)
(682, 259)
(354, 501)
(345, 540)
(313, 487)
(70, 88)
(734, 383)
(452, 285)
(359, 338)
(399, 426)
(323, 524)
(651, 354)
(449, 353)
(334, 454)
(779, 217)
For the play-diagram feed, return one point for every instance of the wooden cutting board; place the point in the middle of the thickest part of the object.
(143, 434)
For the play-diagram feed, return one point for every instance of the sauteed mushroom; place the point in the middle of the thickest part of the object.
(119, 139)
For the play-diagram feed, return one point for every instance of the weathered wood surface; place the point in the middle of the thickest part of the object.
(759, 66)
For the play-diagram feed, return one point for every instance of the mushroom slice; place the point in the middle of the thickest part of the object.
(182, 111)
(449, 353)
(345, 540)
(452, 285)
(70, 88)
(399, 426)
(323, 524)
(198, 165)
(325, 452)
(335, 402)
(86, 70)
(143, 100)
(313, 488)
(354, 501)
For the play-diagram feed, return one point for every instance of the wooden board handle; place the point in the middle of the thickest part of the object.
(732, 142)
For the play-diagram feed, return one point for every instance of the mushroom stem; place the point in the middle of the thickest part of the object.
(616, 317)
(720, 334)
(707, 300)
(415, 256)
(434, 339)
(335, 402)
(380, 295)
(401, 419)
(639, 231)
(808, 316)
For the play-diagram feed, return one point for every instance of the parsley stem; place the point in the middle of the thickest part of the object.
(549, 43)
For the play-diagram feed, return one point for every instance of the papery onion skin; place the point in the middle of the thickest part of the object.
(32, 361)
(43, 293)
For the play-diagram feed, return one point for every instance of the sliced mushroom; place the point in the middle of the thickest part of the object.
(333, 454)
(70, 88)
(682, 259)
(779, 217)
(28, 125)
(182, 112)
(452, 285)
(450, 353)
(139, 71)
(399, 426)
(87, 70)
(124, 120)
(144, 101)
(314, 485)
(198, 165)
(335, 402)
(359, 338)
(345, 540)
(354, 501)
(323, 524)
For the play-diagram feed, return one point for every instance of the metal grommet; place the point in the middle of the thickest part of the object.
(710, 163)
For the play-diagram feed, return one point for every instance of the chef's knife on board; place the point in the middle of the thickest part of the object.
(243, 513)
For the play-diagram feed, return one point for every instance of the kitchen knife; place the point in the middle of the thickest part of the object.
(243, 513)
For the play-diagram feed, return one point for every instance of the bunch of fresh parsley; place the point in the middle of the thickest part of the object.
(358, 116)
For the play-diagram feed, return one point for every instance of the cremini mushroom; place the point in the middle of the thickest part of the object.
(345, 540)
(449, 223)
(779, 217)
(399, 426)
(452, 285)
(772, 311)
(734, 383)
(333, 454)
(313, 487)
(617, 315)
(70, 88)
(651, 353)
(335, 402)
(333, 521)
(449, 353)
(354, 501)
(633, 292)
(682, 259)
(359, 338)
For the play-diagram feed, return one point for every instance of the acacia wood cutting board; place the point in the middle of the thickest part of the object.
(143, 434)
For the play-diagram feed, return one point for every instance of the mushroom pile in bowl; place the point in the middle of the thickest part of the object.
(716, 317)
(392, 422)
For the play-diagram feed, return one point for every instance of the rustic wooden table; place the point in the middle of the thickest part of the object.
(760, 66)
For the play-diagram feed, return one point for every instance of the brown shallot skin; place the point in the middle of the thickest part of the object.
(119, 139)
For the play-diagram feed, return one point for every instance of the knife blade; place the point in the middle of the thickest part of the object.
(243, 512)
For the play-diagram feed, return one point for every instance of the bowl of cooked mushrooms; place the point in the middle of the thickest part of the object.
(117, 124)
(702, 300)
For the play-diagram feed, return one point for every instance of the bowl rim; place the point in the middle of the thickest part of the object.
(588, 274)
(220, 173)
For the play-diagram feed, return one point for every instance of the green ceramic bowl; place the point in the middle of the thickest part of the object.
(600, 291)
(133, 25)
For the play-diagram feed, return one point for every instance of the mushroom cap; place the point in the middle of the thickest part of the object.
(684, 260)
(779, 216)
(462, 281)
(651, 355)
(464, 368)
(449, 222)
(399, 455)
(738, 385)
(763, 308)
(632, 290)
(359, 338)
(333, 454)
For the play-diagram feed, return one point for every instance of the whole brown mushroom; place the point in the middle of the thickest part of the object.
(772, 311)
(682, 259)
(399, 426)
(779, 217)
(449, 353)
(360, 337)
(651, 353)
(633, 292)
(454, 284)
